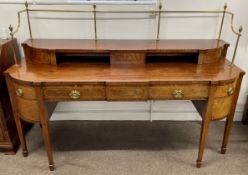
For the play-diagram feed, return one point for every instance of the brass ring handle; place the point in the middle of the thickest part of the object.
(230, 91)
(74, 94)
(178, 93)
(19, 92)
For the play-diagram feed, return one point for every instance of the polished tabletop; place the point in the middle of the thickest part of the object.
(151, 72)
(104, 72)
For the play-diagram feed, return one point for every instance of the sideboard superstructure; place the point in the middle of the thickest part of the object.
(120, 70)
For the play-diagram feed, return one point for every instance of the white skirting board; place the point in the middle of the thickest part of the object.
(160, 110)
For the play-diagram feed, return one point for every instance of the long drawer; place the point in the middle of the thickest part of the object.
(127, 92)
(84, 92)
(131, 92)
(179, 92)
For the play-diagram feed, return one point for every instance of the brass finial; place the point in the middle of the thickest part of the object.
(240, 29)
(160, 6)
(225, 6)
(10, 28)
(11, 31)
(26, 4)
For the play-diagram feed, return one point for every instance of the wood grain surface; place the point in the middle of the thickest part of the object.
(123, 74)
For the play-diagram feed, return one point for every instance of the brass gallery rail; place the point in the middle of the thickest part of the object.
(158, 12)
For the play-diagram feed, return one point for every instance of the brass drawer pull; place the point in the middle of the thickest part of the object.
(178, 93)
(19, 92)
(74, 94)
(230, 91)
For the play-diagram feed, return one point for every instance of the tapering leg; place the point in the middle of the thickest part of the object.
(21, 136)
(44, 123)
(226, 134)
(206, 117)
(203, 138)
(229, 120)
(47, 141)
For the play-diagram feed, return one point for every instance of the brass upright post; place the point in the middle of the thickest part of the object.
(236, 45)
(95, 29)
(28, 18)
(222, 21)
(159, 18)
(12, 45)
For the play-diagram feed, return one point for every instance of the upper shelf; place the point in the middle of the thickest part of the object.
(178, 45)
(56, 51)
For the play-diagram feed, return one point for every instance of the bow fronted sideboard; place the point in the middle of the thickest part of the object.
(119, 70)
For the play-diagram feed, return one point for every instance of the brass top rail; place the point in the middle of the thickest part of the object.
(113, 2)
(158, 14)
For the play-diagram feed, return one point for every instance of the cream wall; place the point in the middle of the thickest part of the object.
(136, 26)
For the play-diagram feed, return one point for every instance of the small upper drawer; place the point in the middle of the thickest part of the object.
(192, 91)
(127, 58)
(127, 92)
(225, 90)
(84, 92)
(24, 91)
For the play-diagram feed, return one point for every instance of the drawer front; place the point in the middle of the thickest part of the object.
(179, 92)
(86, 92)
(120, 93)
(24, 91)
(127, 58)
(28, 109)
(225, 90)
(221, 107)
(40, 56)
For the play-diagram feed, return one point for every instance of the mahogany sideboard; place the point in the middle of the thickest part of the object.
(119, 70)
(8, 134)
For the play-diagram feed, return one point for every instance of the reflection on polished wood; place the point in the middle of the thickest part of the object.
(121, 70)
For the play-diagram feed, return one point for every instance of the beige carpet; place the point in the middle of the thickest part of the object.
(131, 148)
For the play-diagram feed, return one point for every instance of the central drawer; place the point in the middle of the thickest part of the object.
(84, 92)
(179, 92)
(127, 92)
